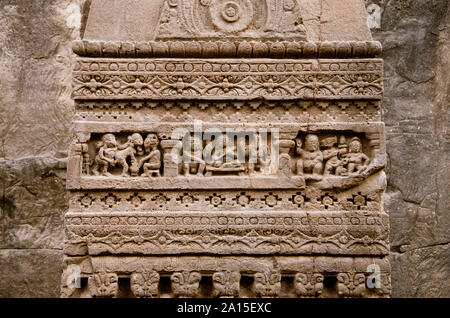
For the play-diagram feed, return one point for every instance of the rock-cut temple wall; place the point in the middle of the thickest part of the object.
(185, 148)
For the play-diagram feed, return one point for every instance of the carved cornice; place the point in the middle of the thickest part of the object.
(228, 49)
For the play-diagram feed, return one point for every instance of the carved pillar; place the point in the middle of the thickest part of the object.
(171, 157)
(226, 75)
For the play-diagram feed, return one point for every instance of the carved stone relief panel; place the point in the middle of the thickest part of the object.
(199, 19)
(232, 154)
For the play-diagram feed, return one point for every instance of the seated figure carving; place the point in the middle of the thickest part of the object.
(193, 160)
(106, 153)
(334, 157)
(311, 158)
(357, 160)
(152, 161)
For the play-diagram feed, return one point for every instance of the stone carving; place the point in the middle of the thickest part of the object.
(286, 49)
(308, 280)
(267, 284)
(194, 160)
(152, 161)
(103, 284)
(333, 160)
(106, 155)
(334, 156)
(351, 284)
(128, 151)
(308, 284)
(315, 158)
(185, 284)
(298, 111)
(297, 79)
(284, 164)
(153, 196)
(226, 284)
(357, 160)
(144, 283)
(231, 16)
(268, 19)
(223, 159)
(311, 158)
(286, 200)
(365, 234)
(109, 154)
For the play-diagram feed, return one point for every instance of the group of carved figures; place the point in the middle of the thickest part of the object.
(329, 156)
(110, 153)
(337, 158)
(227, 284)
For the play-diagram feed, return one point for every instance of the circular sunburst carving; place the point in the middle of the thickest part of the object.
(231, 16)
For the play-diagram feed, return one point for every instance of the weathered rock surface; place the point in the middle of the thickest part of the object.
(35, 61)
(30, 273)
(32, 205)
(35, 69)
(32, 201)
(415, 38)
(35, 74)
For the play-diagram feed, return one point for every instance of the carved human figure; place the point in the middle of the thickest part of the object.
(225, 159)
(193, 159)
(152, 161)
(311, 158)
(357, 160)
(129, 150)
(292, 22)
(106, 153)
(335, 163)
(168, 22)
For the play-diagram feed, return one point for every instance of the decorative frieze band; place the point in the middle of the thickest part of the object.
(343, 233)
(220, 79)
(271, 200)
(256, 111)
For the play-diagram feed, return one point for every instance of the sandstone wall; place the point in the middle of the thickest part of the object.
(36, 110)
